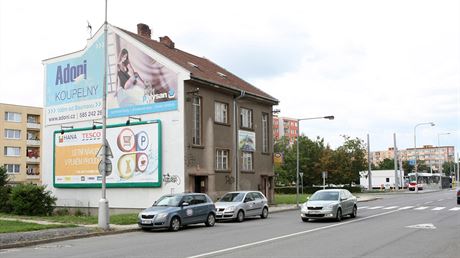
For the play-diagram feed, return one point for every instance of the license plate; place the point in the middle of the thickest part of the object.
(146, 221)
(313, 212)
(219, 213)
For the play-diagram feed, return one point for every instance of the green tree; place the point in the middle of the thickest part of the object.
(283, 175)
(386, 164)
(29, 199)
(448, 168)
(5, 191)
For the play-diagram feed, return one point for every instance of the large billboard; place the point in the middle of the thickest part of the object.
(136, 160)
(74, 86)
(142, 85)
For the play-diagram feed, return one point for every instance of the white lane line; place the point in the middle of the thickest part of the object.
(391, 207)
(438, 208)
(421, 208)
(287, 236)
(363, 207)
(374, 208)
(440, 200)
(455, 209)
(406, 207)
(428, 202)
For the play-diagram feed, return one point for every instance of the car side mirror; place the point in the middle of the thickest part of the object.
(185, 204)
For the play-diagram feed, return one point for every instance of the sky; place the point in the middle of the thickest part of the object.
(381, 67)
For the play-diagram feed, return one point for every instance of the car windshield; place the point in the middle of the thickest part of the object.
(325, 196)
(168, 200)
(232, 197)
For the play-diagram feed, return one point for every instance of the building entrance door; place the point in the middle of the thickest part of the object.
(201, 183)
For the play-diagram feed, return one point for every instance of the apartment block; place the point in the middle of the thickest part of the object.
(20, 142)
(285, 126)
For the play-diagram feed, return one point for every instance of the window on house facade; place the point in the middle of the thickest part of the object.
(246, 118)
(12, 117)
(12, 151)
(12, 168)
(221, 112)
(222, 159)
(247, 161)
(265, 133)
(12, 134)
(196, 109)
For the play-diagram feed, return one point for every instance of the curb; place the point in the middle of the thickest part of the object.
(70, 237)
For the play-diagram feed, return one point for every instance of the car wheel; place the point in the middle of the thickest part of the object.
(175, 224)
(211, 220)
(339, 215)
(240, 216)
(458, 201)
(264, 214)
(354, 212)
(305, 219)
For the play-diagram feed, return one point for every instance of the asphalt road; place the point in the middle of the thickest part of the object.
(398, 225)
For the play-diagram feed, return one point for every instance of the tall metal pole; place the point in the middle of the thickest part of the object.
(369, 172)
(298, 133)
(396, 162)
(415, 150)
(103, 218)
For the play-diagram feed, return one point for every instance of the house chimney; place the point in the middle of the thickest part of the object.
(167, 41)
(144, 30)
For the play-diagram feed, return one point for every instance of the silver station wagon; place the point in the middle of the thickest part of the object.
(329, 204)
(241, 204)
(176, 210)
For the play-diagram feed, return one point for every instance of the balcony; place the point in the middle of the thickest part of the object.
(34, 142)
(33, 172)
(33, 126)
(33, 159)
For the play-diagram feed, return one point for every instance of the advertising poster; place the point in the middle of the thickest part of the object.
(136, 160)
(278, 159)
(142, 85)
(74, 87)
(246, 140)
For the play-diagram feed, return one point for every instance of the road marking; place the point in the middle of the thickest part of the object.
(376, 207)
(422, 226)
(428, 202)
(363, 207)
(421, 208)
(438, 208)
(287, 236)
(455, 209)
(391, 207)
(406, 207)
(440, 200)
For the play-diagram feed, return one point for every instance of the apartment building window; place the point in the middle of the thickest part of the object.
(246, 118)
(247, 161)
(196, 109)
(12, 151)
(222, 159)
(33, 119)
(265, 132)
(12, 117)
(13, 168)
(221, 112)
(12, 134)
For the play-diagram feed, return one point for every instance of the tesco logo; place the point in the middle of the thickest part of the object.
(92, 135)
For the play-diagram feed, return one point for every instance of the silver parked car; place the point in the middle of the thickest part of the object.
(241, 204)
(173, 211)
(329, 204)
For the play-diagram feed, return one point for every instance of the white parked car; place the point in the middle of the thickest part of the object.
(329, 204)
(241, 204)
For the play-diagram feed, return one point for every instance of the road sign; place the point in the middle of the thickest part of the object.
(412, 162)
(108, 167)
(108, 150)
(324, 174)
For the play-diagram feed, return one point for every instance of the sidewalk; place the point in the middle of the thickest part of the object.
(21, 239)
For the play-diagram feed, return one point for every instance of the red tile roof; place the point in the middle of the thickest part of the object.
(202, 68)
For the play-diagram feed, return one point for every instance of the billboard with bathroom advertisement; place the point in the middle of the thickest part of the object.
(74, 86)
(136, 160)
(139, 84)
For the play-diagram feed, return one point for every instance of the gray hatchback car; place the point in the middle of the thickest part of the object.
(241, 204)
(176, 210)
(329, 204)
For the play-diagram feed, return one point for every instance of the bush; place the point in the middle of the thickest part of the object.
(5, 191)
(29, 199)
(311, 189)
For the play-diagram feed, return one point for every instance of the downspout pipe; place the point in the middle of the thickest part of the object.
(235, 138)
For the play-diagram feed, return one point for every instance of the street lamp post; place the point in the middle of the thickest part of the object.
(297, 173)
(415, 150)
(440, 161)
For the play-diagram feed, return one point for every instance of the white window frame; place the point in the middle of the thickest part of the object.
(221, 112)
(265, 133)
(222, 157)
(246, 118)
(248, 161)
(12, 134)
(9, 154)
(13, 168)
(196, 124)
(13, 117)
